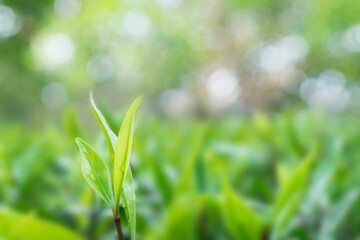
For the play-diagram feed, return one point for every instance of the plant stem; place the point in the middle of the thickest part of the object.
(117, 221)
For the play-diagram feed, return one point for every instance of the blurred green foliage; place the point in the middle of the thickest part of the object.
(239, 178)
(238, 158)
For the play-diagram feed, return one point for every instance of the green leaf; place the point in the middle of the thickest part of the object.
(17, 226)
(34, 155)
(290, 195)
(71, 124)
(336, 215)
(95, 171)
(241, 221)
(110, 136)
(123, 151)
(129, 203)
(323, 173)
(181, 219)
(186, 183)
(285, 215)
(282, 174)
(128, 190)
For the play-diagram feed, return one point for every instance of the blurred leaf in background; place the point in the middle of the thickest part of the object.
(262, 95)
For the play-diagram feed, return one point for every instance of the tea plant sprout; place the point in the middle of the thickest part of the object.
(111, 178)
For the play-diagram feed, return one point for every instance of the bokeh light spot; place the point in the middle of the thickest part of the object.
(326, 92)
(177, 103)
(9, 22)
(351, 39)
(67, 8)
(100, 68)
(223, 88)
(135, 24)
(169, 5)
(54, 95)
(278, 56)
(56, 50)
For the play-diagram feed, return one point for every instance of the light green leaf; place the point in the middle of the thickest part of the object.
(128, 190)
(71, 124)
(123, 151)
(95, 171)
(282, 174)
(323, 174)
(290, 194)
(241, 221)
(190, 155)
(181, 219)
(129, 203)
(16, 226)
(337, 214)
(285, 215)
(110, 136)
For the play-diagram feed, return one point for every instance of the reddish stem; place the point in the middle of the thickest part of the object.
(117, 221)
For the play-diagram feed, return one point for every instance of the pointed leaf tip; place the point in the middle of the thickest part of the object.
(123, 151)
(110, 136)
